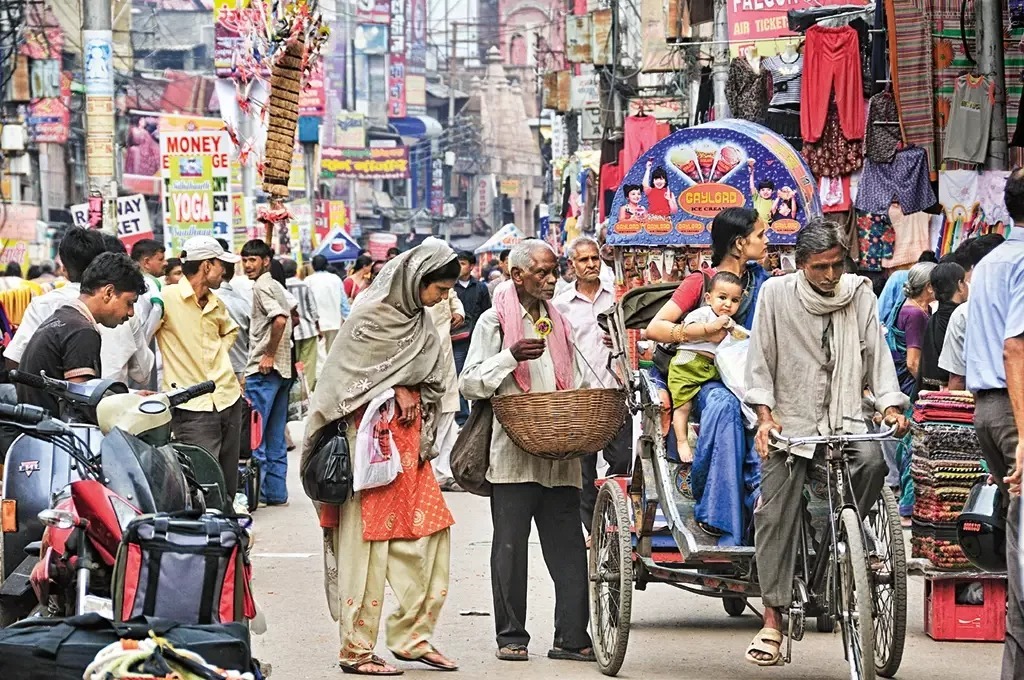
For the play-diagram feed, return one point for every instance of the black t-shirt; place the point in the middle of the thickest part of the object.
(65, 346)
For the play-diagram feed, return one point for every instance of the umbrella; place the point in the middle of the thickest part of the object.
(338, 246)
(503, 239)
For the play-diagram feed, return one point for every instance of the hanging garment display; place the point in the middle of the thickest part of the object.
(879, 62)
(832, 73)
(786, 73)
(958, 194)
(833, 155)
(905, 179)
(991, 198)
(910, 65)
(834, 193)
(911, 237)
(608, 184)
(705, 98)
(883, 135)
(640, 134)
(970, 119)
(877, 239)
(746, 91)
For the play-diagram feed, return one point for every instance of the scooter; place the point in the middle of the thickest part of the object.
(133, 471)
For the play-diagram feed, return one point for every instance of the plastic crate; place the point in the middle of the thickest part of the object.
(944, 619)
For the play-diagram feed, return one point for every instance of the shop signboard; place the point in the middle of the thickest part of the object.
(577, 38)
(697, 172)
(196, 174)
(756, 20)
(601, 38)
(233, 23)
(662, 108)
(585, 91)
(372, 11)
(372, 163)
(49, 119)
(311, 99)
(133, 222)
(351, 130)
(396, 60)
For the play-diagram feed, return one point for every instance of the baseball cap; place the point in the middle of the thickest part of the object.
(199, 248)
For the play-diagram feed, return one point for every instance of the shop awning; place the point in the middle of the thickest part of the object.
(503, 239)
(416, 127)
(338, 246)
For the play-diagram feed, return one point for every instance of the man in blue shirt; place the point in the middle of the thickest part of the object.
(995, 374)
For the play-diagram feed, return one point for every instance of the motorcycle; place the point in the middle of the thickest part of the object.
(130, 470)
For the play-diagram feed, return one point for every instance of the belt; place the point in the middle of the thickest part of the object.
(992, 392)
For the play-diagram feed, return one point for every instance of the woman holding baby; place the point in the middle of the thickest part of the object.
(724, 471)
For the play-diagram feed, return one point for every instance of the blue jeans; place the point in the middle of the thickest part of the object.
(459, 351)
(269, 396)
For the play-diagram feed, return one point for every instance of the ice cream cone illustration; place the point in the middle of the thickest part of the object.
(705, 159)
(728, 158)
(684, 158)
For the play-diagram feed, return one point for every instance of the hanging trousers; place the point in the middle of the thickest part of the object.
(556, 511)
(832, 65)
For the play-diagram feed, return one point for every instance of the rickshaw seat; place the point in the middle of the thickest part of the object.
(640, 305)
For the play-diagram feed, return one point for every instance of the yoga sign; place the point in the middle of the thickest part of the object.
(673, 192)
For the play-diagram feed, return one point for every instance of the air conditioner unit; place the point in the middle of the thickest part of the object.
(12, 137)
(19, 165)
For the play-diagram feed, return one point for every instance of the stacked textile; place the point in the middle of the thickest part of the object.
(946, 463)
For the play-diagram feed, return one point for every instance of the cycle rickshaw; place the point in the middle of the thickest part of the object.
(851, 572)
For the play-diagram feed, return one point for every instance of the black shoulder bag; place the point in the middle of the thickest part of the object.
(327, 475)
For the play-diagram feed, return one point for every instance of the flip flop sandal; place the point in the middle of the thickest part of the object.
(710, 530)
(511, 653)
(424, 660)
(374, 661)
(570, 655)
(762, 645)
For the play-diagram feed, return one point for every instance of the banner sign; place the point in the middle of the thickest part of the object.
(132, 218)
(351, 130)
(372, 11)
(396, 61)
(49, 119)
(676, 188)
(233, 22)
(766, 19)
(373, 163)
(312, 97)
(577, 38)
(196, 171)
(601, 38)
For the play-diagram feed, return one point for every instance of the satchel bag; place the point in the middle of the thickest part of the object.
(471, 454)
(327, 475)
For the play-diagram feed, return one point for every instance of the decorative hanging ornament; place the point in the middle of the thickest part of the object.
(543, 327)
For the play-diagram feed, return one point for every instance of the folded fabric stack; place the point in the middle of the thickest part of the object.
(946, 463)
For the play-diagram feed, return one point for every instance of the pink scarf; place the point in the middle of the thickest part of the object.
(510, 317)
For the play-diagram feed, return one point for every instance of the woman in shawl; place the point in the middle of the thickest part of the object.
(398, 533)
(725, 473)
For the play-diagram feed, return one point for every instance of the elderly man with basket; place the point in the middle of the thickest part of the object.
(523, 345)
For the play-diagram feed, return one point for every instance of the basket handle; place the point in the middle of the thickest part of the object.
(600, 382)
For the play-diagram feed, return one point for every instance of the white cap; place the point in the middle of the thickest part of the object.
(199, 248)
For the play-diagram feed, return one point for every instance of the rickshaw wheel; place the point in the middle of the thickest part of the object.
(889, 584)
(611, 577)
(734, 606)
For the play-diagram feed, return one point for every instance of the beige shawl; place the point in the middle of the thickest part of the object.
(387, 341)
(845, 412)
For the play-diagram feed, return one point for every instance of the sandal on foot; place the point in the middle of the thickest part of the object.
(710, 530)
(424, 660)
(513, 653)
(586, 654)
(357, 669)
(767, 641)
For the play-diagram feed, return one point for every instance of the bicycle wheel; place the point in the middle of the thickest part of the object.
(855, 601)
(611, 577)
(889, 583)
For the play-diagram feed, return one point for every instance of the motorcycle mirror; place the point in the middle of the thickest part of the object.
(58, 519)
(152, 408)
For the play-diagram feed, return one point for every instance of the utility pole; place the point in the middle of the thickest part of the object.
(451, 69)
(98, 59)
(720, 58)
(988, 22)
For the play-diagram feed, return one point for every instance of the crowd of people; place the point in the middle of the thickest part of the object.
(422, 328)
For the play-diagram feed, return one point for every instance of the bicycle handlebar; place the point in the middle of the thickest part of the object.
(777, 438)
(187, 394)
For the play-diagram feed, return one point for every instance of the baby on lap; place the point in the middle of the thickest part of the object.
(694, 362)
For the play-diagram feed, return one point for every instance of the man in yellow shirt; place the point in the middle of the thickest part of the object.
(195, 338)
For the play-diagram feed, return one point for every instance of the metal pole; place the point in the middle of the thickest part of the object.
(988, 19)
(350, 100)
(451, 70)
(720, 57)
(98, 57)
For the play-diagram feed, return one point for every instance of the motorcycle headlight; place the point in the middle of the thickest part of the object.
(125, 513)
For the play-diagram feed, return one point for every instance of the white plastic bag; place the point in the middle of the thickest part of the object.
(731, 361)
(376, 462)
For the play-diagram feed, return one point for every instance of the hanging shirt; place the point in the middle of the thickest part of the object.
(970, 119)
(786, 76)
(746, 90)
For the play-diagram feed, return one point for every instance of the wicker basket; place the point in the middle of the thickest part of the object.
(562, 425)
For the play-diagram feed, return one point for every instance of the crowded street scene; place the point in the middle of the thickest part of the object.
(676, 340)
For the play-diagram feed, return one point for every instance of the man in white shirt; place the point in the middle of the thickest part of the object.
(327, 291)
(580, 304)
(124, 351)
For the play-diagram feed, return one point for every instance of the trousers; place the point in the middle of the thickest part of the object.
(269, 395)
(459, 350)
(219, 433)
(619, 455)
(777, 519)
(831, 63)
(306, 352)
(556, 511)
(356, 571)
(997, 435)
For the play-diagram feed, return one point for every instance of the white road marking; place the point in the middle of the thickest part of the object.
(285, 556)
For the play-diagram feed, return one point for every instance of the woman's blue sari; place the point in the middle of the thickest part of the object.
(726, 473)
